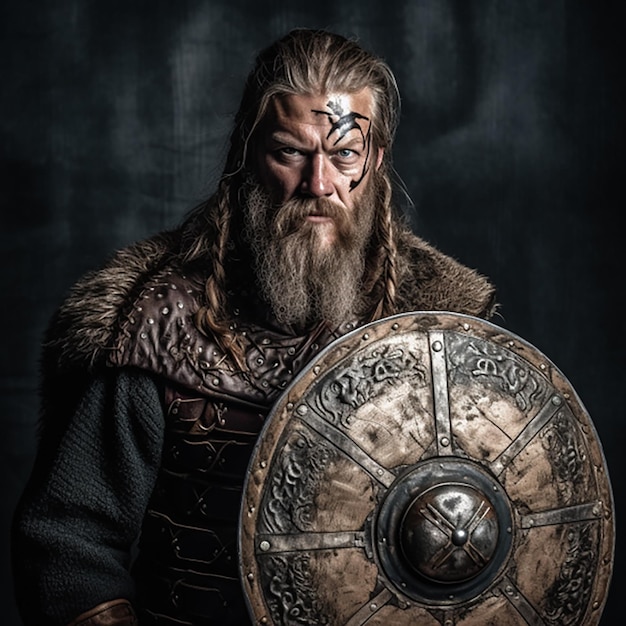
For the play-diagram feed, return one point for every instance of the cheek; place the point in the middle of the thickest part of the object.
(279, 181)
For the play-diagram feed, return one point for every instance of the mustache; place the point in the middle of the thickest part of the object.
(289, 216)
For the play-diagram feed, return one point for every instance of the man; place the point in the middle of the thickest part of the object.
(161, 367)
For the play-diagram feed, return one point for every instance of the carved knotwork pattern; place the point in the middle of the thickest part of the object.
(350, 387)
(568, 461)
(294, 484)
(472, 358)
(569, 595)
(291, 594)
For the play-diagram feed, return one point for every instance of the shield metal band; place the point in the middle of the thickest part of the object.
(432, 469)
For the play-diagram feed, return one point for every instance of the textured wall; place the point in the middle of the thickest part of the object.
(113, 117)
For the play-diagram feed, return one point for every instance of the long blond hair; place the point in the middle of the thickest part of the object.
(311, 62)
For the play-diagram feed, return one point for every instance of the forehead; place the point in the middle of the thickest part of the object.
(319, 110)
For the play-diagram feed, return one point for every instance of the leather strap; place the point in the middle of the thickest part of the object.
(113, 613)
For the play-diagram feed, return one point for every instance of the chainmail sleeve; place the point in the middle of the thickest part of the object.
(81, 511)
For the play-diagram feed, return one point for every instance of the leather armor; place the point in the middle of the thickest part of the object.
(187, 563)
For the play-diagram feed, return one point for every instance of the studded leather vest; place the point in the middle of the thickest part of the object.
(187, 569)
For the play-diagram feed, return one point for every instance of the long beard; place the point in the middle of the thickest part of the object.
(304, 280)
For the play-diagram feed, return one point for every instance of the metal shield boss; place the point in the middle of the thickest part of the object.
(429, 469)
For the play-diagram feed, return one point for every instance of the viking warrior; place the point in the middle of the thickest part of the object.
(160, 368)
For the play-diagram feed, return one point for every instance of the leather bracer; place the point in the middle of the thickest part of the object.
(112, 613)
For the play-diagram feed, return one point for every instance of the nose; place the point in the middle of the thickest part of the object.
(317, 178)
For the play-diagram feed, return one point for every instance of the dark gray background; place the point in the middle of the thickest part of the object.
(113, 118)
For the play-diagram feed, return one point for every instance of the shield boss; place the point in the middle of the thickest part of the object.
(431, 469)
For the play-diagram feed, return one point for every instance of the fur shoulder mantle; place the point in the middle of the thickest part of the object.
(84, 328)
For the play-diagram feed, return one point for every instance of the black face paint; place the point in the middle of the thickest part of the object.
(342, 125)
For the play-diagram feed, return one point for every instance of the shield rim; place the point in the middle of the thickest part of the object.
(424, 321)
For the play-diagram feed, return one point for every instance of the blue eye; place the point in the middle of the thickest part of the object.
(345, 153)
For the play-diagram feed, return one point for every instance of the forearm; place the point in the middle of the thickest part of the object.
(81, 513)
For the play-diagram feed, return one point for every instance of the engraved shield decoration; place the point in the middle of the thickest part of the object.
(432, 469)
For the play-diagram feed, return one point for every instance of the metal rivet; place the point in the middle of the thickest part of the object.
(265, 546)
(437, 346)
(150, 320)
(445, 441)
(556, 400)
(302, 409)
(180, 305)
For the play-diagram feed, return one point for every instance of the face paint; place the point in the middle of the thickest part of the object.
(342, 125)
(317, 146)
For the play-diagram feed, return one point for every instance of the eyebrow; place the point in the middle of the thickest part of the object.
(285, 137)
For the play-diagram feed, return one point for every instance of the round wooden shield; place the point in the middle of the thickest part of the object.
(433, 469)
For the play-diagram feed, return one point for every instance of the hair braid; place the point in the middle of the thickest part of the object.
(213, 317)
(386, 304)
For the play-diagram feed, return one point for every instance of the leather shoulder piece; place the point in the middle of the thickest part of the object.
(432, 281)
(84, 325)
(158, 335)
(112, 613)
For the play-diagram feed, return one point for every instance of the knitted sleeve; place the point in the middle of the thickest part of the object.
(82, 509)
